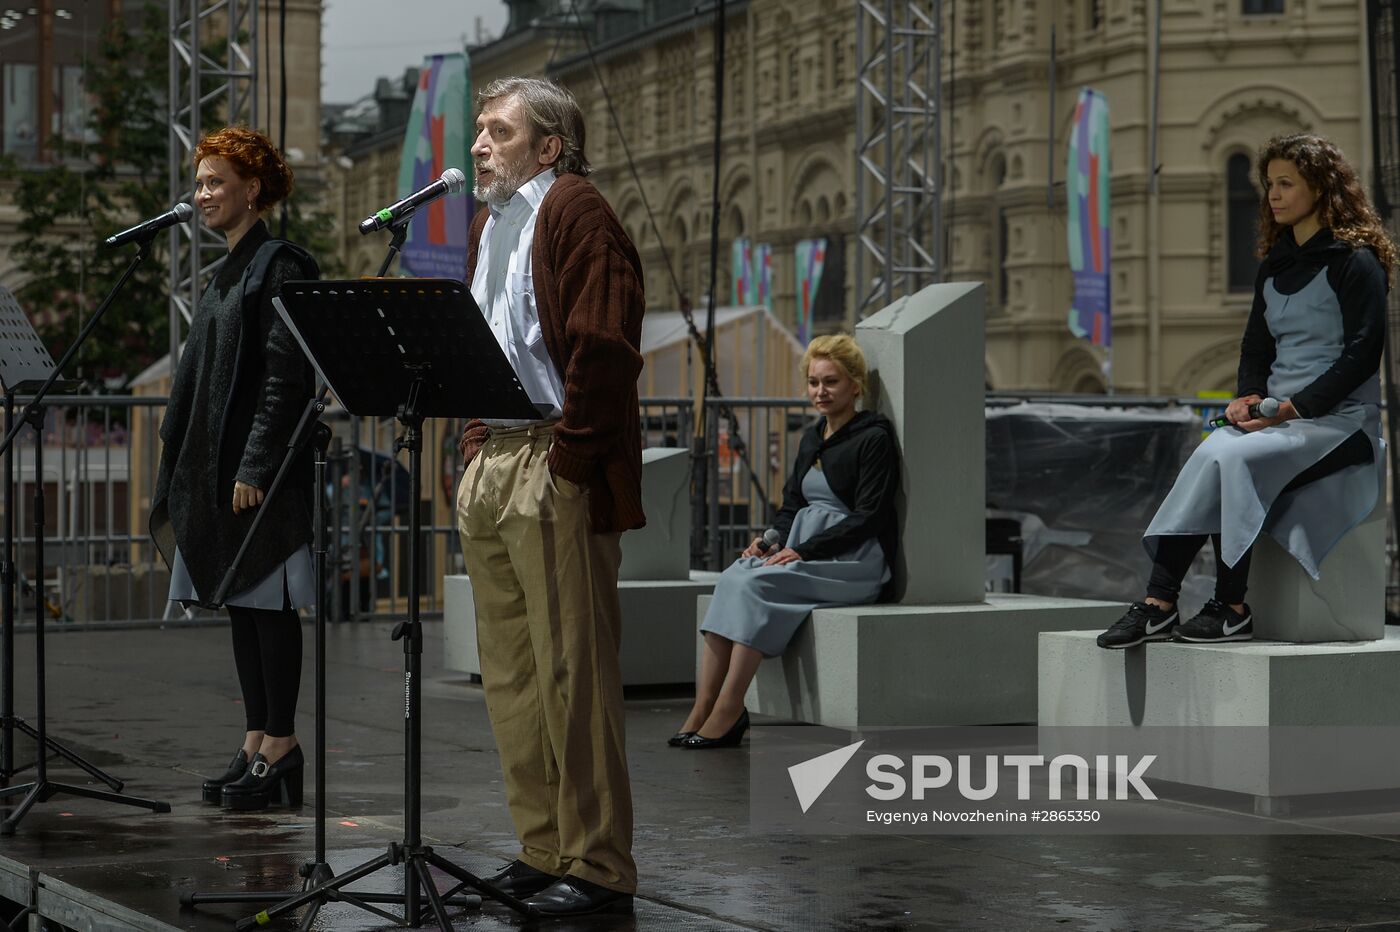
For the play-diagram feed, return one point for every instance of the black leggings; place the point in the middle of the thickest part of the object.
(1174, 555)
(267, 653)
(1176, 551)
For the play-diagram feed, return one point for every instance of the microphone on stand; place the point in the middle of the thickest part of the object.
(147, 230)
(451, 182)
(770, 540)
(1266, 408)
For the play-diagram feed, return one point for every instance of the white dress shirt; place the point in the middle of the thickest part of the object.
(504, 289)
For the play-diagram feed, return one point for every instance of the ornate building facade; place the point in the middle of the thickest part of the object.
(1231, 73)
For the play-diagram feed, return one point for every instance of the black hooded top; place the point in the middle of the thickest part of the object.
(1359, 282)
(861, 464)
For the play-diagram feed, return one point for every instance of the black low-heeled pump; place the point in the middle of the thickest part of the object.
(213, 789)
(265, 784)
(678, 738)
(730, 739)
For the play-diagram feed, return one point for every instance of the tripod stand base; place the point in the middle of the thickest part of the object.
(44, 790)
(18, 724)
(420, 891)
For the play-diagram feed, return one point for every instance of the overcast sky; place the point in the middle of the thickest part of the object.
(367, 39)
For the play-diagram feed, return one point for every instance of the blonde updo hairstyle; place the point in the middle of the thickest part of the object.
(252, 155)
(843, 350)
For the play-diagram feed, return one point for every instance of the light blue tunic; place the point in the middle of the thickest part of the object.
(294, 580)
(1233, 483)
(762, 606)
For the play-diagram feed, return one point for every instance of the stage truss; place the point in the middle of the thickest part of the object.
(213, 81)
(899, 218)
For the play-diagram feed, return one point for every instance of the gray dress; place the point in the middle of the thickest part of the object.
(292, 584)
(1233, 483)
(762, 606)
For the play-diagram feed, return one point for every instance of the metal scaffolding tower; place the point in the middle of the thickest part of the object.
(899, 218)
(213, 77)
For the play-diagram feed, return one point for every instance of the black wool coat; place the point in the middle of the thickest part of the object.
(240, 389)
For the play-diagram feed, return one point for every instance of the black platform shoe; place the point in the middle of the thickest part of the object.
(730, 739)
(265, 784)
(678, 738)
(214, 786)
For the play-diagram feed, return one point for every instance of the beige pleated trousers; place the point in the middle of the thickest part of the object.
(548, 626)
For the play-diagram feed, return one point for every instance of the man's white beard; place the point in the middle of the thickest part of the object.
(505, 181)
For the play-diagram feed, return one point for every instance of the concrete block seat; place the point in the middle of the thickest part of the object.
(872, 665)
(1252, 712)
(655, 585)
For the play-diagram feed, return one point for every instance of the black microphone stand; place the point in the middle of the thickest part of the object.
(41, 789)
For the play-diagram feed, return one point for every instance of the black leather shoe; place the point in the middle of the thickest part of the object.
(730, 739)
(265, 784)
(214, 787)
(678, 738)
(574, 896)
(520, 880)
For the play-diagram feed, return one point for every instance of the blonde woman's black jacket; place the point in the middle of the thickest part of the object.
(861, 464)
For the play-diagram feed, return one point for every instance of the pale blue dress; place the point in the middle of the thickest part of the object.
(762, 606)
(290, 585)
(1233, 483)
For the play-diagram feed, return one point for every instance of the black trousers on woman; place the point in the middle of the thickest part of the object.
(1176, 551)
(267, 653)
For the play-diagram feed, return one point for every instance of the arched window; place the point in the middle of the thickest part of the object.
(1242, 223)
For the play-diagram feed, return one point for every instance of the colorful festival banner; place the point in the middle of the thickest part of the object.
(763, 274)
(436, 140)
(1087, 186)
(745, 291)
(811, 259)
(751, 266)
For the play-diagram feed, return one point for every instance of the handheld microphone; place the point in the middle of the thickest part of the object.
(770, 540)
(147, 230)
(451, 182)
(1266, 408)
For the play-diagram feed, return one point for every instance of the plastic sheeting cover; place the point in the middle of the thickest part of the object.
(1084, 482)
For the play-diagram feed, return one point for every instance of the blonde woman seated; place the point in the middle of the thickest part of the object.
(837, 533)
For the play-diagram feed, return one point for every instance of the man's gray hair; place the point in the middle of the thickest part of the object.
(550, 110)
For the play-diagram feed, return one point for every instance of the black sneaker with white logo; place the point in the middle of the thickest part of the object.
(1217, 622)
(1142, 622)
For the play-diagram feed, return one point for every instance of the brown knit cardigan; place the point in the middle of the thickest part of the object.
(588, 291)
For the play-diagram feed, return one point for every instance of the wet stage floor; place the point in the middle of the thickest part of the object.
(158, 709)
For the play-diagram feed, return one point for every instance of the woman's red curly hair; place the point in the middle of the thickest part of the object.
(1342, 205)
(252, 155)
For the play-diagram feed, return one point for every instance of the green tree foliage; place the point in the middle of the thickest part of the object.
(94, 189)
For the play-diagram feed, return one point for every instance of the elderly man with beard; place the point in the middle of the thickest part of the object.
(543, 503)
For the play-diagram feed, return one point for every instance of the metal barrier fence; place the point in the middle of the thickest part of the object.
(102, 452)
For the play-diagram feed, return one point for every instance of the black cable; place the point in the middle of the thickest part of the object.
(267, 59)
(714, 193)
(631, 163)
(282, 114)
(701, 341)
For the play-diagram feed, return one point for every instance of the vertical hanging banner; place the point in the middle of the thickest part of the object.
(741, 270)
(1086, 183)
(811, 259)
(763, 274)
(436, 140)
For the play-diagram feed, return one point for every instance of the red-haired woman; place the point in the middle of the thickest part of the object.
(1311, 470)
(240, 388)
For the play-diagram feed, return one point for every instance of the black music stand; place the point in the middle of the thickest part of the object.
(408, 348)
(26, 368)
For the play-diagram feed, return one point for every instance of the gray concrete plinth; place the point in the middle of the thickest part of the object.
(661, 550)
(1265, 718)
(925, 353)
(868, 665)
(1346, 604)
(658, 636)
